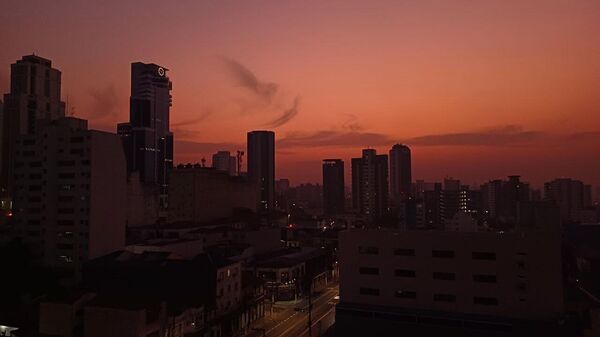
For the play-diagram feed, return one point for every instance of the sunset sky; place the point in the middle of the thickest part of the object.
(478, 89)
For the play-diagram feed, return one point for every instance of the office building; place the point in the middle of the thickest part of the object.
(147, 139)
(333, 186)
(261, 167)
(370, 185)
(400, 173)
(35, 93)
(450, 283)
(224, 161)
(69, 193)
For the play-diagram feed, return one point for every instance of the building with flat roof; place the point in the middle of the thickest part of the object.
(458, 282)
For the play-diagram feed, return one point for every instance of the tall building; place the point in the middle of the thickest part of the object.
(147, 139)
(370, 185)
(224, 161)
(433, 283)
(69, 193)
(35, 89)
(261, 167)
(400, 173)
(501, 198)
(571, 196)
(333, 186)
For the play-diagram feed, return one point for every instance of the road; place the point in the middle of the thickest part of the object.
(290, 322)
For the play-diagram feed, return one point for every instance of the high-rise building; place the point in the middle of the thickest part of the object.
(147, 138)
(569, 195)
(69, 193)
(370, 185)
(224, 161)
(35, 89)
(400, 173)
(501, 198)
(333, 186)
(261, 167)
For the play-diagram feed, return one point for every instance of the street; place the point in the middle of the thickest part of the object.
(290, 322)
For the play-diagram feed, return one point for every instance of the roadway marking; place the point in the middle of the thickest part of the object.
(317, 321)
(301, 321)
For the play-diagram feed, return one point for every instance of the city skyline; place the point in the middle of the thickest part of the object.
(468, 108)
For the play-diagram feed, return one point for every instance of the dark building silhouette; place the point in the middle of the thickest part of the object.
(147, 139)
(261, 167)
(70, 193)
(501, 198)
(400, 173)
(333, 186)
(35, 89)
(571, 196)
(224, 161)
(370, 185)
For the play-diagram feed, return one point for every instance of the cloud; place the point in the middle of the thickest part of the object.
(192, 121)
(351, 123)
(286, 116)
(105, 102)
(507, 135)
(334, 138)
(189, 147)
(247, 79)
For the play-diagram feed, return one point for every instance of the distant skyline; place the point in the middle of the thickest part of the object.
(478, 90)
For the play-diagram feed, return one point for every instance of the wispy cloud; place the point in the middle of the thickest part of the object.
(247, 79)
(270, 97)
(287, 115)
(202, 116)
(105, 102)
(506, 135)
(334, 138)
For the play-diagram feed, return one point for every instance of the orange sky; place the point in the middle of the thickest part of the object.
(479, 89)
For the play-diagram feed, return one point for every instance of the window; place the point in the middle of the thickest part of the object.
(406, 294)
(404, 252)
(485, 300)
(444, 276)
(368, 250)
(369, 291)
(446, 254)
(368, 271)
(484, 278)
(405, 273)
(484, 256)
(444, 298)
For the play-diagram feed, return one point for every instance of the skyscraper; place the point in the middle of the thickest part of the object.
(400, 173)
(147, 139)
(35, 89)
(224, 161)
(333, 186)
(370, 185)
(261, 167)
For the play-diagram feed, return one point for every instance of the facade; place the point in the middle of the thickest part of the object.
(400, 173)
(224, 161)
(455, 281)
(200, 194)
(35, 91)
(333, 186)
(370, 185)
(70, 193)
(261, 167)
(147, 138)
(501, 197)
(570, 196)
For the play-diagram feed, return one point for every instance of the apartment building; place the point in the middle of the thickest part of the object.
(497, 282)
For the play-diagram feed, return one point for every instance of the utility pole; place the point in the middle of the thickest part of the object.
(310, 309)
